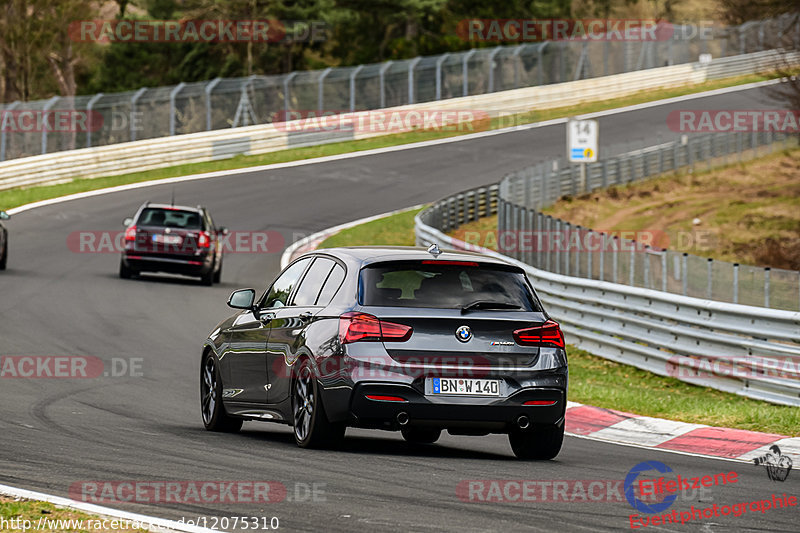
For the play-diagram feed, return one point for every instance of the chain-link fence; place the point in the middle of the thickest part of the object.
(640, 258)
(103, 119)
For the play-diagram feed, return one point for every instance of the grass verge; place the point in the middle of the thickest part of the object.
(597, 381)
(33, 514)
(16, 197)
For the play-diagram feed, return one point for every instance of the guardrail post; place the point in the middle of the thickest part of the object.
(633, 264)
(567, 251)
(766, 286)
(560, 242)
(172, 95)
(602, 266)
(548, 228)
(208, 88)
(321, 89)
(411, 66)
(664, 270)
(93, 100)
(588, 252)
(382, 81)
(439, 75)
(736, 283)
(646, 272)
(49, 105)
(615, 260)
(3, 140)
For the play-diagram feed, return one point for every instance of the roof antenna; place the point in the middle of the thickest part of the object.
(434, 250)
(172, 202)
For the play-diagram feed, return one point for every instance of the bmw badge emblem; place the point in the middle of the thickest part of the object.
(464, 334)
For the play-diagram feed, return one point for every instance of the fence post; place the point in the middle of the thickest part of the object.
(736, 283)
(411, 66)
(49, 105)
(646, 270)
(439, 75)
(558, 248)
(602, 265)
(134, 100)
(684, 267)
(766, 286)
(615, 260)
(664, 270)
(465, 71)
(321, 89)
(633, 264)
(588, 253)
(492, 55)
(567, 251)
(172, 95)
(382, 81)
(89, 107)
(548, 225)
(286, 81)
(709, 280)
(207, 90)
(577, 252)
(353, 87)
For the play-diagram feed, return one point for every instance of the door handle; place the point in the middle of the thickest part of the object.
(306, 315)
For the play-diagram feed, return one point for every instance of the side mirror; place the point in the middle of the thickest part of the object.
(4, 215)
(127, 222)
(242, 299)
(223, 230)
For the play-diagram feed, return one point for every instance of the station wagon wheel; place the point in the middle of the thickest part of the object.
(214, 416)
(312, 429)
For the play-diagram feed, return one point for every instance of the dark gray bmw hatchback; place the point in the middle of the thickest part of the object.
(391, 338)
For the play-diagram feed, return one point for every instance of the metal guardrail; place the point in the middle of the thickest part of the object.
(149, 113)
(147, 154)
(749, 351)
(572, 250)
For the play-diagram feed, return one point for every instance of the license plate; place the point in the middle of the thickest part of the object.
(167, 239)
(466, 386)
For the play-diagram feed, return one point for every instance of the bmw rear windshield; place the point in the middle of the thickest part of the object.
(445, 285)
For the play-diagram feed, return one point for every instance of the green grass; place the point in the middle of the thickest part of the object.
(597, 381)
(393, 230)
(16, 197)
(33, 511)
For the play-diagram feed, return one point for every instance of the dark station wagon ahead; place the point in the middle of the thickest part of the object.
(391, 338)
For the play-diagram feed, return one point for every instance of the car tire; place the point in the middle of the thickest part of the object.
(311, 427)
(4, 259)
(215, 418)
(218, 274)
(124, 271)
(538, 444)
(421, 435)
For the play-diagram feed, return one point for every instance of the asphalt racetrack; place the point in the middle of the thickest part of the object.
(56, 433)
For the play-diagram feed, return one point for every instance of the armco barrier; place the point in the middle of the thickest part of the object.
(749, 351)
(219, 144)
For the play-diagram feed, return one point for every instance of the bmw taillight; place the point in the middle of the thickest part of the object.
(355, 327)
(130, 234)
(548, 334)
(204, 240)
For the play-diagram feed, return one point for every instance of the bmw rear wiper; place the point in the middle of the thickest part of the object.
(487, 304)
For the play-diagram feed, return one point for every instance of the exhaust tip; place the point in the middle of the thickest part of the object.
(402, 418)
(523, 422)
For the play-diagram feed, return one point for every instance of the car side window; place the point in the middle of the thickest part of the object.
(281, 289)
(312, 282)
(332, 284)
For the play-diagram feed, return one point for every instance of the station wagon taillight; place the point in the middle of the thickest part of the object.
(204, 240)
(355, 327)
(130, 234)
(548, 334)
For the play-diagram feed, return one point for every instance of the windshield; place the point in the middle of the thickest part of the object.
(170, 218)
(445, 286)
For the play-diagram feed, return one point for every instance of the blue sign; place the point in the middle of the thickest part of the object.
(630, 484)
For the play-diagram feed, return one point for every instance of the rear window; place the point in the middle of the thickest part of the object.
(444, 286)
(170, 218)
